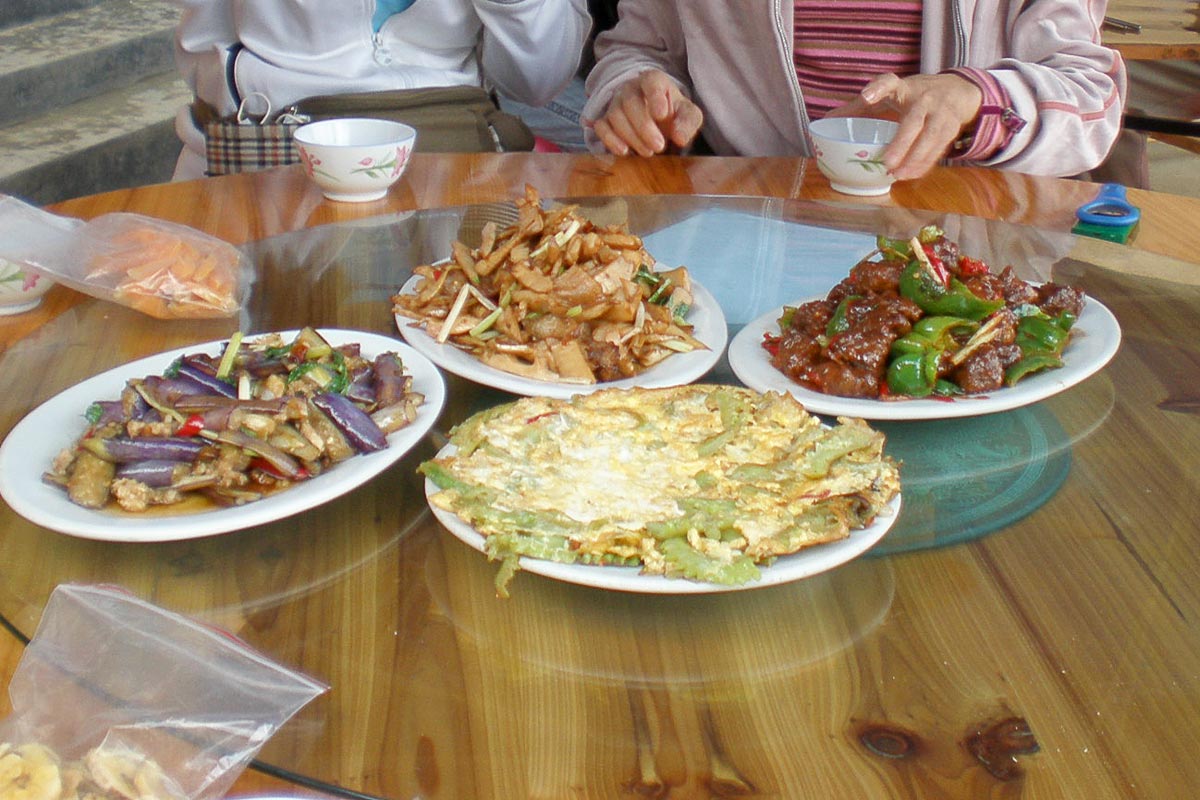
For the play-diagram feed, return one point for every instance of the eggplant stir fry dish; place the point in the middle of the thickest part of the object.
(236, 426)
(918, 318)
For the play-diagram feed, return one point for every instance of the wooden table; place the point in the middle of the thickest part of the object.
(1170, 29)
(1163, 95)
(1046, 651)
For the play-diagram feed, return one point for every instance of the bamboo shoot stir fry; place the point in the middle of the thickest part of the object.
(258, 417)
(555, 297)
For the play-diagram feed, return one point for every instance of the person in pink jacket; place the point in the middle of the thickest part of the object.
(1005, 83)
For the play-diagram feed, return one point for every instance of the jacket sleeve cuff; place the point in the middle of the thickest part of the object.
(995, 124)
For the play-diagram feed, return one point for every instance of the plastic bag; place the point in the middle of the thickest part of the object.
(120, 698)
(164, 269)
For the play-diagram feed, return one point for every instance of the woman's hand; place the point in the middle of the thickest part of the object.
(934, 111)
(647, 115)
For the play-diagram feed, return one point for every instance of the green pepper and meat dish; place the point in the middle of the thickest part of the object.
(918, 318)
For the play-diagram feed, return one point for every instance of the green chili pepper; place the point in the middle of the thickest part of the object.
(945, 388)
(1030, 364)
(929, 234)
(955, 300)
(838, 322)
(902, 247)
(913, 374)
(936, 333)
(893, 248)
(1065, 320)
(1040, 334)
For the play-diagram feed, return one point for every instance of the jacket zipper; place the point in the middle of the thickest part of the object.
(960, 33)
(790, 70)
(380, 52)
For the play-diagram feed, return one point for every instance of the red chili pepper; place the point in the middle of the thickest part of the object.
(536, 417)
(258, 462)
(972, 266)
(191, 426)
(771, 344)
(939, 268)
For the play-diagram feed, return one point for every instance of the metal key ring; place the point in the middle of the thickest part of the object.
(1109, 208)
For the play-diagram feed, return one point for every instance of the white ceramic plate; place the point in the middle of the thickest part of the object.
(1095, 338)
(806, 563)
(706, 317)
(54, 425)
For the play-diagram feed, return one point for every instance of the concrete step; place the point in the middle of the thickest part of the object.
(15, 12)
(119, 139)
(53, 61)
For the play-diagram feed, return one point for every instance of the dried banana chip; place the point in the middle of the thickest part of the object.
(29, 772)
(129, 775)
(35, 772)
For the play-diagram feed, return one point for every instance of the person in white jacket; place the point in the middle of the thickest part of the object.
(1019, 85)
(228, 50)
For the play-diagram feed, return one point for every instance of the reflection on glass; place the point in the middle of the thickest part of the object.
(964, 478)
(368, 593)
(605, 637)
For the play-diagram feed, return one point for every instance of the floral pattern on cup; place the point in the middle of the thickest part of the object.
(21, 288)
(389, 165)
(355, 160)
(864, 160)
(311, 162)
(402, 154)
(10, 273)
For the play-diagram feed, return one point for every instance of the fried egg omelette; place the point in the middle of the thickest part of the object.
(701, 482)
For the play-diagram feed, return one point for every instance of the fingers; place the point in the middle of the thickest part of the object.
(646, 115)
(657, 89)
(885, 90)
(920, 143)
(687, 122)
(932, 111)
(622, 136)
(941, 108)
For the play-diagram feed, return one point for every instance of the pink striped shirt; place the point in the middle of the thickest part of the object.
(840, 45)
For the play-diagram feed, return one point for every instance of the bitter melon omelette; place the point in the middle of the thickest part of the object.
(700, 482)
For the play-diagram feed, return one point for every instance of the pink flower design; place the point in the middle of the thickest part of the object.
(366, 162)
(310, 161)
(401, 160)
(861, 154)
(31, 280)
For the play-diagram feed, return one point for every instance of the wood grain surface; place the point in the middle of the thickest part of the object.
(1170, 29)
(1055, 656)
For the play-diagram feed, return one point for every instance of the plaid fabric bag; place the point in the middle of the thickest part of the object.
(232, 147)
(451, 119)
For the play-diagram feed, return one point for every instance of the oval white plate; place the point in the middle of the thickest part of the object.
(803, 564)
(708, 325)
(1095, 338)
(57, 423)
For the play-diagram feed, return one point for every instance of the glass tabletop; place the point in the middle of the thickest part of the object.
(439, 688)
